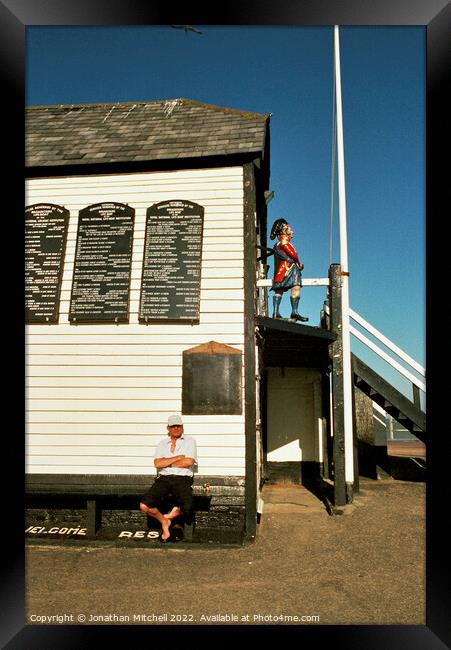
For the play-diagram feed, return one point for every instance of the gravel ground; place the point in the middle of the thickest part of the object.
(365, 567)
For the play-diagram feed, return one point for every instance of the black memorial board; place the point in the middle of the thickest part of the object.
(102, 269)
(211, 380)
(46, 227)
(170, 287)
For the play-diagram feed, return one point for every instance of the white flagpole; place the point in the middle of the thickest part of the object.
(347, 377)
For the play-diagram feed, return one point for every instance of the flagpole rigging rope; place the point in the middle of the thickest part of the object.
(332, 176)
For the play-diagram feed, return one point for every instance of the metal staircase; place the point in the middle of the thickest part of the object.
(408, 414)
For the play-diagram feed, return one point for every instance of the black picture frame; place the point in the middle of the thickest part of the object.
(15, 17)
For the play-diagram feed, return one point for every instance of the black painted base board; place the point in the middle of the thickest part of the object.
(220, 525)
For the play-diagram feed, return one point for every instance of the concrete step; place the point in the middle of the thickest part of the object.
(286, 498)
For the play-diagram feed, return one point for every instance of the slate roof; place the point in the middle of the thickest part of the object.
(139, 131)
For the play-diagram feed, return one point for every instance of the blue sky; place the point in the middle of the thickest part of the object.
(288, 71)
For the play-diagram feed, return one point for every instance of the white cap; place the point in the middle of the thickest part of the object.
(174, 419)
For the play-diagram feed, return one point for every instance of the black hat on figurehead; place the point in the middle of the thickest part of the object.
(277, 227)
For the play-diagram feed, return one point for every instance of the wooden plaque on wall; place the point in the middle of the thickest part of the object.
(170, 286)
(46, 227)
(102, 268)
(211, 380)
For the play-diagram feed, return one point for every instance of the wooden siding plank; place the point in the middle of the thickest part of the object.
(152, 421)
(87, 383)
(210, 324)
(44, 438)
(86, 374)
(109, 405)
(138, 349)
(217, 269)
(141, 185)
(140, 191)
(136, 194)
(124, 333)
(126, 451)
(154, 425)
(150, 180)
(170, 401)
(207, 470)
(152, 415)
(140, 177)
(145, 337)
(103, 393)
(94, 460)
(223, 266)
(86, 360)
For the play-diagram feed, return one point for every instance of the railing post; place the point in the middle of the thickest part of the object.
(356, 484)
(327, 426)
(416, 396)
(262, 291)
(337, 385)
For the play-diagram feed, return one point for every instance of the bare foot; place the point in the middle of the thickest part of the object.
(165, 526)
(175, 512)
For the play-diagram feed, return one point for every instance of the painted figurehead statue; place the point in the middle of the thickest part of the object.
(287, 269)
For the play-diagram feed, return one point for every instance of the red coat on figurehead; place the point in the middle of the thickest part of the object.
(287, 266)
(287, 269)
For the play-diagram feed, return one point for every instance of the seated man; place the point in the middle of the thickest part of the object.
(175, 457)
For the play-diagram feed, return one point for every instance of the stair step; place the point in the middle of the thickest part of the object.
(389, 398)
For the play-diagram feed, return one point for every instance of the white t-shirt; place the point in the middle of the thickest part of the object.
(185, 446)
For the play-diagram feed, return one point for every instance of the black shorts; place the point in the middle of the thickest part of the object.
(170, 490)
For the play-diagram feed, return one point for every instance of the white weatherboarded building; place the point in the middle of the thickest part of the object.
(99, 393)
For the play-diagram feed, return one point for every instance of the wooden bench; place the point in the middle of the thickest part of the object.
(94, 490)
(406, 448)
(201, 504)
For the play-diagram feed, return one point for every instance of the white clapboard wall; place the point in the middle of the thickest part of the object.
(98, 396)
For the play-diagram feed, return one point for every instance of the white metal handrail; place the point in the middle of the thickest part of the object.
(389, 344)
(306, 282)
(387, 358)
(324, 282)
